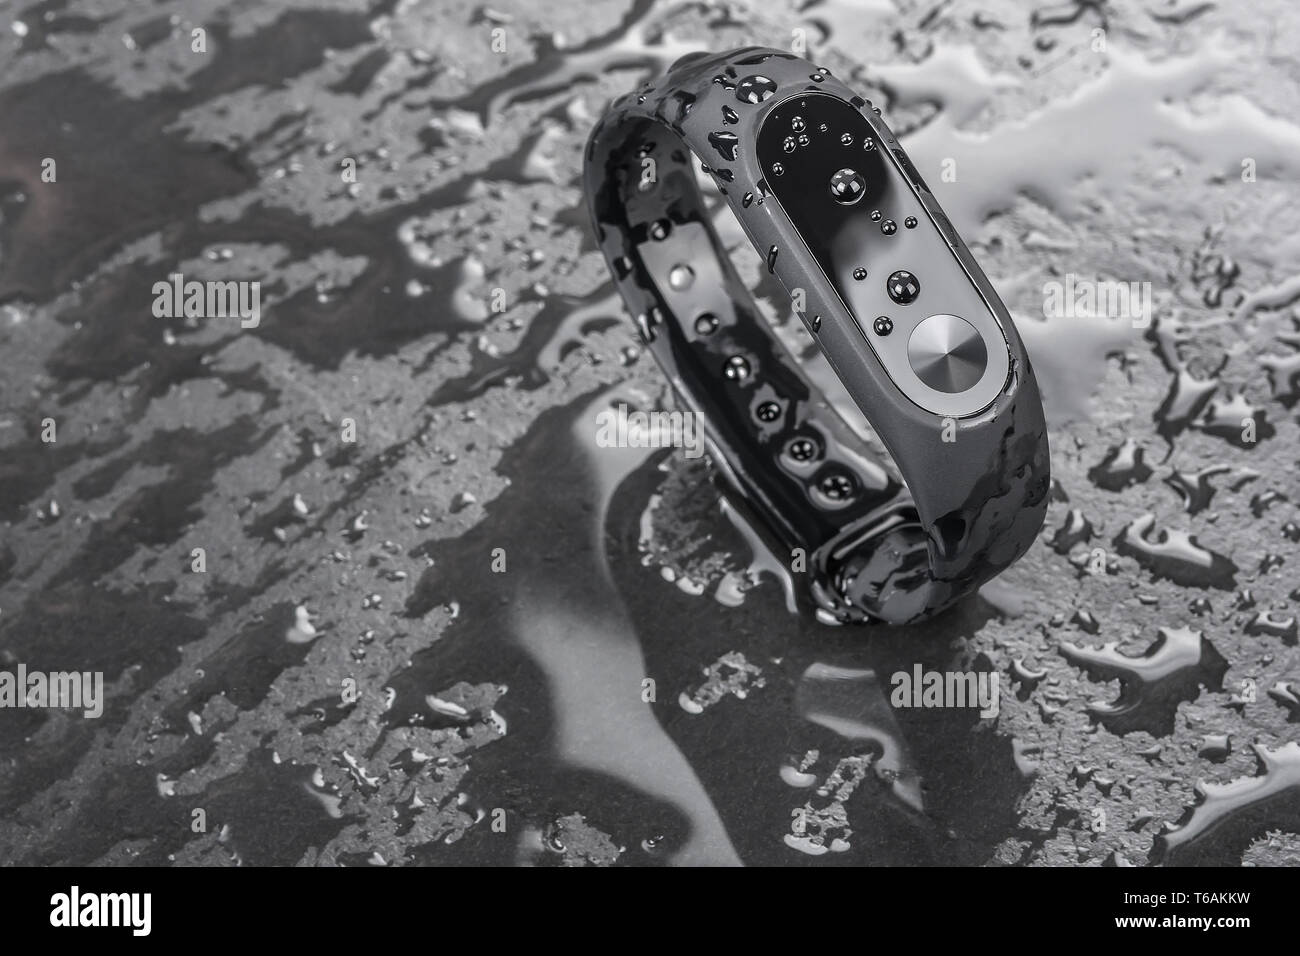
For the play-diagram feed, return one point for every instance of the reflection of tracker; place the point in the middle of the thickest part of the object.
(889, 291)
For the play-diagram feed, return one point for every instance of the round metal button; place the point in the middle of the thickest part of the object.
(947, 353)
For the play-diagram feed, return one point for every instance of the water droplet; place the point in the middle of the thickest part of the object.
(859, 273)
(889, 227)
(729, 115)
(802, 449)
(1261, 502)
(747, 199)
(788, 144)
(1172, 670)
(680, 277)
(736, 368)
(726, 144)
(883, 325)
(771, 259)
(797, 124)
(868, 144)
(910, 222)
(1228, 815)
(1175, 555)
(706, 323)
(846, 139)
(847, 186)
(903, 287)
(777, 169)
(1076, 529)
(816, 323)
(659, 229)
(1122, 466)
(875, 215)
(768, 412)
(755, 89)
(1266, 623)
(836, 485)
(1194, 486)
(1084, 621)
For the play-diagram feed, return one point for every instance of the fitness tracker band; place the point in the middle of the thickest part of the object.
(904, 315)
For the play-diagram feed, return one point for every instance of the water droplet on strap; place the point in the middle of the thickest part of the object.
(726, 144)
(680, 277)
(736, 368)
(755, 89)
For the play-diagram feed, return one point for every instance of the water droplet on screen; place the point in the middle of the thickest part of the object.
(847, 186)
(903, 287)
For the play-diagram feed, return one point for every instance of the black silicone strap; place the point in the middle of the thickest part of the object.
(876, 549)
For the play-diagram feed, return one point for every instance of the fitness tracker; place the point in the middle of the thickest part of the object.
(904, 315)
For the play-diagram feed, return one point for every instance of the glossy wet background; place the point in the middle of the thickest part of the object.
(1150, 693)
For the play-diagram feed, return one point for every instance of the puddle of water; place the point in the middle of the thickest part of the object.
(1173, 669)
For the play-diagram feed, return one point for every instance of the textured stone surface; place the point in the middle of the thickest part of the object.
(426, 708)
